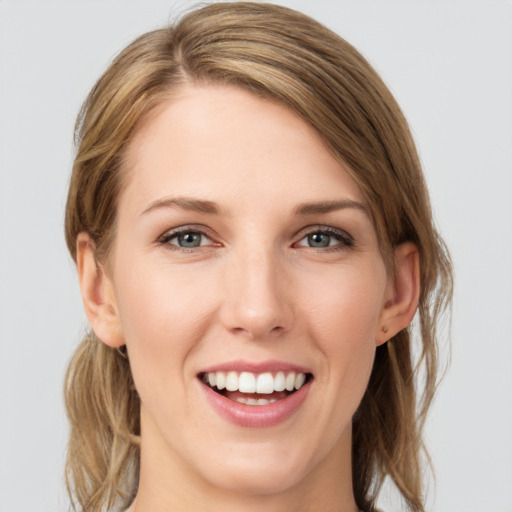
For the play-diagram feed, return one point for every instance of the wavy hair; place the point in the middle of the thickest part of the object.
(286, 57)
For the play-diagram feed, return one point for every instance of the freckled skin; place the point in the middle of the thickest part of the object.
(254, 290)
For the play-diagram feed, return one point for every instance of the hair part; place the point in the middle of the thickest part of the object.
(285, 57)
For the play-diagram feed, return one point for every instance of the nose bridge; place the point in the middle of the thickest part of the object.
(256, 296)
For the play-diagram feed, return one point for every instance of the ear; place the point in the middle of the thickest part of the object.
(97, 294)
(402, 293)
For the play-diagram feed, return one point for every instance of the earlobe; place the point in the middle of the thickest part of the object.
(402, 294)
(97, 294)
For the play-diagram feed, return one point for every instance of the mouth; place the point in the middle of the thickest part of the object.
(255, 389)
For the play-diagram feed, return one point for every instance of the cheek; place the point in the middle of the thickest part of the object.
(343, 317)
(163, 315)
(161, 300)
(344, 307)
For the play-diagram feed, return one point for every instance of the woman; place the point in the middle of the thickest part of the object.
(253, 237)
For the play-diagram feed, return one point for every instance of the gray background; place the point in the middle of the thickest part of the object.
(449, 63)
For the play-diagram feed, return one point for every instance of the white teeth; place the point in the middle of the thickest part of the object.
(290, 381)
(280, 381)
(248, 382)
(232, 381)
(255, 401)
(220, 377)
(265, 383)
(264, 401)
(299, 380)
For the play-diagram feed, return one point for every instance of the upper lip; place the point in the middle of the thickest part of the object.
(256, 367)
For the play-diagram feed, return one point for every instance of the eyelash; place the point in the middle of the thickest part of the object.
(183, 230)
(345, 240)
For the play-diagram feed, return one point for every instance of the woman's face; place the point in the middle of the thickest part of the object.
(245, 256)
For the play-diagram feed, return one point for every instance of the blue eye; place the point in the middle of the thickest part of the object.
(319, 240)
(325, 238)
(186, 239)
(189, 239)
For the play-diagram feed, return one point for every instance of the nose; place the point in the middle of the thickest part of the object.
(257, 295)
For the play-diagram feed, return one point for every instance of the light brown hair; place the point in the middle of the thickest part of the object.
(286, 57)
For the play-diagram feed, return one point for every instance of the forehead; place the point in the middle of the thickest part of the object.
(224, 142)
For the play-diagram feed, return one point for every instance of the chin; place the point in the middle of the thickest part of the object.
(251, 480)
(259, 470)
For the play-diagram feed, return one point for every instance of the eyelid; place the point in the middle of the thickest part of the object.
(347, 240)
(187, 228)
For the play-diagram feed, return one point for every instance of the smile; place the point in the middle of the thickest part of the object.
(245, 387)
(256, 398)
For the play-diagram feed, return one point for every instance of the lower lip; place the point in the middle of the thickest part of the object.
(257, 416)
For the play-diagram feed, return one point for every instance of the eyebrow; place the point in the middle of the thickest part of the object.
(329, 206)
(212, 208)
(185, 203)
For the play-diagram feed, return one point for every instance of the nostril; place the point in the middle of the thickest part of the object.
(256, 332)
